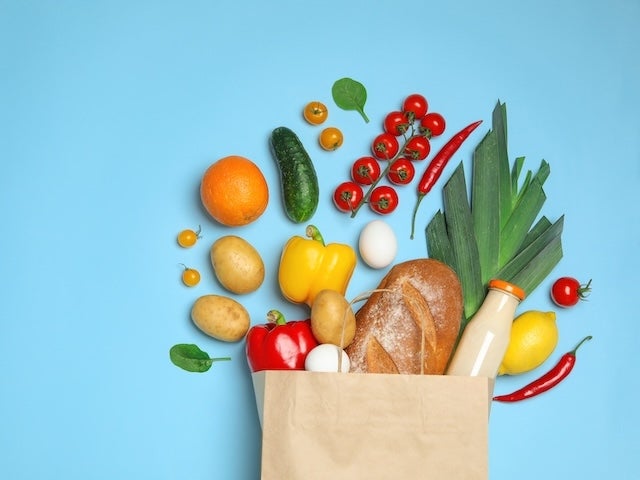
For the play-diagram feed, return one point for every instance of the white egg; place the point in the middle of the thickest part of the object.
(378, 244)
(324, 358)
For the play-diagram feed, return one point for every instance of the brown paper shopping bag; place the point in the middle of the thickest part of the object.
(335, 426)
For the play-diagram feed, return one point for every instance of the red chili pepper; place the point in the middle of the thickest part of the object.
(437, 164)
(279, 345)
(550, 379)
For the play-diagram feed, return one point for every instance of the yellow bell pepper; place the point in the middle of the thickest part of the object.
(308, 266)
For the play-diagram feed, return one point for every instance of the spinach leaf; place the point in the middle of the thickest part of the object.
(189, 357)
(350, 94)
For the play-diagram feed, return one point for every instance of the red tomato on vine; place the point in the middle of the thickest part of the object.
(385, 146)
(432, 125)
(402, 172)
(383, 199)
(347, 196)
(365, 170)
(415, 106)
(396, 123)
(417, 148)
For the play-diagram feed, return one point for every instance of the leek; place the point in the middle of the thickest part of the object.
(496, 234)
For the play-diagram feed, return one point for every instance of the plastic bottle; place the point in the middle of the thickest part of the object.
(485, 339)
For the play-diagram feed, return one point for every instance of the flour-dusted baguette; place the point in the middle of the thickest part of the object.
(417, 319)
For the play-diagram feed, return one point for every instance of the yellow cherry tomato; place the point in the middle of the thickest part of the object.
(190, 276)
(188, 238)
(331, 138)
(315, 113)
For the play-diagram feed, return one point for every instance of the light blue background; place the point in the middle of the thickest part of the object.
(111, 111)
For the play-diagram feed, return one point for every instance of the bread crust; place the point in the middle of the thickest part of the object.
(413, 319)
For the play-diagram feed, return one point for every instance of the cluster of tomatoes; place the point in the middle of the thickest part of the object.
(414, 126)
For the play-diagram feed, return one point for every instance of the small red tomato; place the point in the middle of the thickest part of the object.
(415, 107)
(396, 123)
(365, 170)
(401, 172)
(383, 199)
(567, 291)
(417, 148)
(385, 146)
(432, 125)
(347, 196)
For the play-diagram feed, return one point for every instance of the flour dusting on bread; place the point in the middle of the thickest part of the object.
(421, 297)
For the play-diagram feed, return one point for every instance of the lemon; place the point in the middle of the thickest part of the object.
(534, 336)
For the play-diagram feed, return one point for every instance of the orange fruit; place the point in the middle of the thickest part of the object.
(234, 191)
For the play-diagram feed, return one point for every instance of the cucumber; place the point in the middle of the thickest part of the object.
(298, 179)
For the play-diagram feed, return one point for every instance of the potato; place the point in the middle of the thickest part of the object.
(221, 317)
(328, 316)
(237, 265)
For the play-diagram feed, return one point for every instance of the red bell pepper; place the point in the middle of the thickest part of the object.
(279, 345)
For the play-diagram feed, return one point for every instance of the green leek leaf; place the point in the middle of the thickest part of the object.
(502, 183)
(463, 241)
(537, 230)
(486, 202)
(438, 243)
(521, 220)
(518, 163)
(532, 254)
(540, 267)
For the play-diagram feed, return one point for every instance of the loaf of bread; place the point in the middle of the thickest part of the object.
(413, 318)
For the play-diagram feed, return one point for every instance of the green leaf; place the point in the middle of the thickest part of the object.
(499, 124)
(526, 203)
(536, 231)
(521, 220)
(189, 357)
(529, 277)
(541, 176)
(350, 94)
(463, 241)
(438, 244)
(485, 201)
(541, 252)
(515, 174)
(543, 172)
